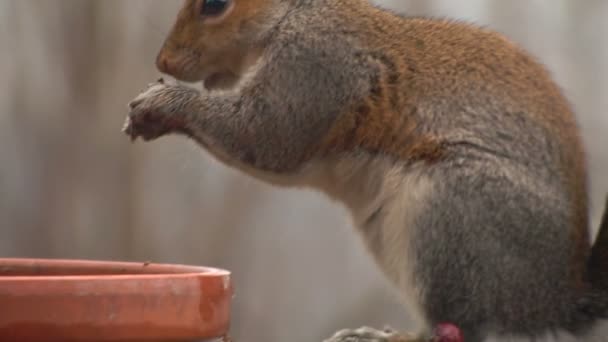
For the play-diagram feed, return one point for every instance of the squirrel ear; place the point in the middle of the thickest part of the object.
(214, 8)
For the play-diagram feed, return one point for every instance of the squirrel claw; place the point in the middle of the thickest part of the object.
(146, 118)
(447, 332)
(127, 128)
(367, 334)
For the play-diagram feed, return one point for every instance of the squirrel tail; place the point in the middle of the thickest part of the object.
(597, 266)
(594, 305)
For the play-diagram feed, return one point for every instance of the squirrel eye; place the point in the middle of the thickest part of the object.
(211, 8)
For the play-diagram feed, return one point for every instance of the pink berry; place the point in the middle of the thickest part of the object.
(447, 332)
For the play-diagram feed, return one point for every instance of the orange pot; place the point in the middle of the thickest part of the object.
(71, 300)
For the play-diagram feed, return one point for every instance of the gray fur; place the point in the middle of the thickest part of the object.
(504, 267)
(480, 238)
(287, 105)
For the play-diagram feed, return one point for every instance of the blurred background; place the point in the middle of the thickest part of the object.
(72, 185)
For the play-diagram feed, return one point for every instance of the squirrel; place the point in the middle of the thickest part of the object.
(456, 152)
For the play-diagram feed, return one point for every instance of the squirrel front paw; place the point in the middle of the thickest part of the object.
(159, 110)
(367, 334)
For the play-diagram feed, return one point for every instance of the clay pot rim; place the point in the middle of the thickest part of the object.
(93, 300)
(172, 271)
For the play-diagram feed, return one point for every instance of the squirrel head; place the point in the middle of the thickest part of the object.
(215, 41)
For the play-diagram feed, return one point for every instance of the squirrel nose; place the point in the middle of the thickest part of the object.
(164, 64)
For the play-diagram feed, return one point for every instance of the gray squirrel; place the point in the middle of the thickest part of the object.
(454, 150)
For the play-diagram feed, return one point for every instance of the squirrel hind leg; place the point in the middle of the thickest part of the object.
(368, 334)
(475, 259)
(443, 332)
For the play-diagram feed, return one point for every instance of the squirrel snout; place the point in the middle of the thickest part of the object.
(164, 64)
(177, 66)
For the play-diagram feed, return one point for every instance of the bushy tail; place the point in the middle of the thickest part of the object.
(598, 261)
(594, 305)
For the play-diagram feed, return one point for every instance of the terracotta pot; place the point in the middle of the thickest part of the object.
(71, 300)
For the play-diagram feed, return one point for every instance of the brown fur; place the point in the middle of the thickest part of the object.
(386, 122)
(218, 47)
(420, 63)
(347, 97)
